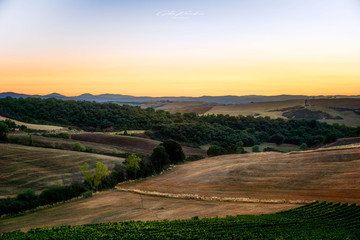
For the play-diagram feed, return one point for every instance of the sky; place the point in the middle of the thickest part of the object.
(180, 48)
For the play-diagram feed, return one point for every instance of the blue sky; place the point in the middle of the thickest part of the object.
(235, 40)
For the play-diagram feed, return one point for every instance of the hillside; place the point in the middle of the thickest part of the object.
(36, 126)
(24, 167)
(119, 98)
(129, 143)
(115, 206)
(324, 174)
(342, 108)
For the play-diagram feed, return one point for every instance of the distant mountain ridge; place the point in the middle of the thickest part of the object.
(118, 98)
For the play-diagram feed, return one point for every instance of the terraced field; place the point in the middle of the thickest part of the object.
(24, 167)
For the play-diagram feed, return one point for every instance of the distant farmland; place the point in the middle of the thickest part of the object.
(24, 167)
(129, 143)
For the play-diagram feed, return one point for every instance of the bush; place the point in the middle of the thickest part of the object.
(57, 135)
(277, 138)
(78, 147)
(192, 158)
(87, 194)
(303, 146)
(215, 150)
(175, 151)
(270, 149)
(256, 148)
(4, 130)
(159, 158)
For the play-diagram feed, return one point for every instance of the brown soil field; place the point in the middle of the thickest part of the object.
(128, 143)
(261, 108)
(36, 126)
(24, 167)
(61, 143)
(185, 107)
(324, 174)
(115, 206)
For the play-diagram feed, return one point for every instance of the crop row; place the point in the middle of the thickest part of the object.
(313, 221)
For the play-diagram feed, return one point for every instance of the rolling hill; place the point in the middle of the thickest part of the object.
(129, 143)
(324, 174)
(24, 167)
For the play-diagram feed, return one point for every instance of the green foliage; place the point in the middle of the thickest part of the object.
(29, 200)
(95, 178)
(56, 135)
(303, 146)
(30, 140)
(193, 158)
(215, 150)
(256, 148)
(11, 124)
(78, 147)
(174, 150)
(23, 128)
(87, 194)
(4, 130)
(271, 149)
(132, 164)
(277, 138)
(190, 129)
(159, 158)
(312, 221)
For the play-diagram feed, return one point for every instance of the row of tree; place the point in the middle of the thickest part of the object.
(226, 131)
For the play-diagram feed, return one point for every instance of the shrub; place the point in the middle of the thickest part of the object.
(4, 130)
(303, 146)
(175, 151)
(277, 138)
(256, 148)
(192, 158)
(87, 194)
(78, 147)
(215, 150)
(270, 149)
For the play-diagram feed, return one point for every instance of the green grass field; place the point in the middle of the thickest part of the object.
(312, 221)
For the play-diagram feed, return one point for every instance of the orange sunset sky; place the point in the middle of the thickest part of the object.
(180, 48)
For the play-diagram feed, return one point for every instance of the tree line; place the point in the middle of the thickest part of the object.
(229, 132)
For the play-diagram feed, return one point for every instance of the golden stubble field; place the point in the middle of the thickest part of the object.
(324, 174)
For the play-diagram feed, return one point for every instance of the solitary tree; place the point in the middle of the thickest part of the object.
(132, 164)
(94, 179)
